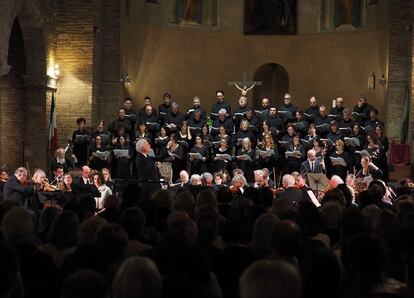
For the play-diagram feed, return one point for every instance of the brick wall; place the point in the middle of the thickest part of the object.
(399, 70)
(75, 57)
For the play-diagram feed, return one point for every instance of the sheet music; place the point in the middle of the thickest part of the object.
(121, 152)
(244, 157)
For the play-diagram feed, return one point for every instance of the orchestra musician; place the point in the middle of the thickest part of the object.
(16, 189)
(369, 169)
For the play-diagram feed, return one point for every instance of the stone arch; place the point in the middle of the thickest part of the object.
(275, 82)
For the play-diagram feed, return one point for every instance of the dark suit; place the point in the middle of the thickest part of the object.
(291, 194)
(147, 170)
(15, 192)
(305, 167)
(79, 187)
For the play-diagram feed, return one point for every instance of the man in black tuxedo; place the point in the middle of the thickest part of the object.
(312, 164)
(14, 189)
(84, 186)
(291, 193)
(147, 170)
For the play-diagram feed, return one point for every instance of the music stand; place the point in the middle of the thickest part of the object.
(318, 181)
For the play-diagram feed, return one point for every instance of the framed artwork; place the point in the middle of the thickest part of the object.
(153, 1)
(270, 17)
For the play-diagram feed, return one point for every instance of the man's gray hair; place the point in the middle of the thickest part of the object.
(20, 170)
(289, 180)
(222, 111)
(139, 146)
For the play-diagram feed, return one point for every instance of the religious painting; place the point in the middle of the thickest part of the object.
(270, 17)
(194, 13)
(348, 13)
(189, 11)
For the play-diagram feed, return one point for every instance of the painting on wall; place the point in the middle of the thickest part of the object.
(348, 13)
(153, 1)
(194, 13)
(270, 17)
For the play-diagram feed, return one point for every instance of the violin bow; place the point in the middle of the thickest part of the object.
(28, 173)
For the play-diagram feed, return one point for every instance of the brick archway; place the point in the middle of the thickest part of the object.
(23, 90)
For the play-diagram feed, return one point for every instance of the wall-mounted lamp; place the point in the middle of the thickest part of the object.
(382, 80)
(53, 76)
(125, 79)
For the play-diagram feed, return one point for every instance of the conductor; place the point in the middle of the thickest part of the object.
(148, 172)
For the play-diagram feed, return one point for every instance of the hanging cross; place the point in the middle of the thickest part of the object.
(244, 86)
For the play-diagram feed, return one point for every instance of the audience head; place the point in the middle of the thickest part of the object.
(270, 278)
(206, 179)
(195, 179)
(286, 240)
(133, 220)
(17, 226)
(85, 284)
(262, 231)
(9, 272)
(181, 228)
(137, 277)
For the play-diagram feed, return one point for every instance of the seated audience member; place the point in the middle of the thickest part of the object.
(85, 284)
(137, 277)
(271, 278)
(60, 159)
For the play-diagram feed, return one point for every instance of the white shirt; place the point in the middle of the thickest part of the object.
(105, 192)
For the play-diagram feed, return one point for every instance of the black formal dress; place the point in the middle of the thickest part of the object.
(80, 141)
(122, 165)
(199, 166)
(248, 166)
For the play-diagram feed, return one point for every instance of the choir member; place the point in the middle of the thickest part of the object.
(246, 159)
(142, 133)
(362, 110)
(150, 120)
(219, 105)
(97, 162)
(105, 134)
(174, 117)
(143, 111)
(121, 122)
(122, 163)
(185, 139)
(373, 120)
(243, 133)
(300, 124)
(293, 161)
(196, 108)
(130, 112)
(223, 164)
(165, 107)
(333, 134)
(313, 110)
(80, 141)
(267, 158)
(199, 165)
(318, 147)
(175, 152)
(338, 109)
(196, 122)
(287, 108)
(375, 150)
(161, 142)
(254, 121)
(335, 168)
(240, 112)
(321, 120)
(275, 122)
(222, 120)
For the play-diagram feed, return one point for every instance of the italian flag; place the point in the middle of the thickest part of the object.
(53, 138)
